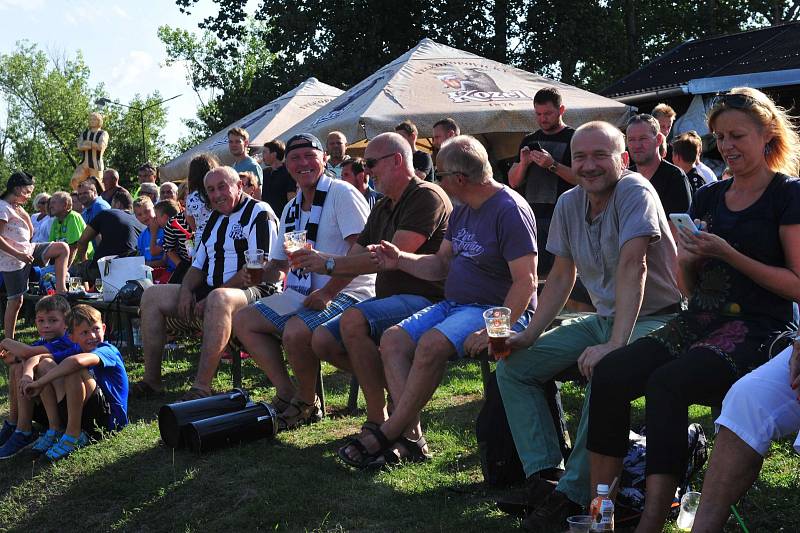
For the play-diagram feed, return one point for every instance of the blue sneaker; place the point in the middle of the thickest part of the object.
(66, 445)
(46, 441)
(7, 431)
(16, 444)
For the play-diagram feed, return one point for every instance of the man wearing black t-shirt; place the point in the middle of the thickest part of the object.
(278, 187)
(423, 164)
(544, 166)
(644, 143)
(119, 235)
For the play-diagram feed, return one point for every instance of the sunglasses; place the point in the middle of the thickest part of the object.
(734, 100)
(371, 162)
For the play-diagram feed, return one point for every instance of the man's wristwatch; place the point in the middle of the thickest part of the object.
(330, 264)
(554, 167)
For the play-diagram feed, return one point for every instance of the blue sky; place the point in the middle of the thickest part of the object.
(118, 40)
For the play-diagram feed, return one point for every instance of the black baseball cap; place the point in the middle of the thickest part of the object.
(303, 140)
(19, 178)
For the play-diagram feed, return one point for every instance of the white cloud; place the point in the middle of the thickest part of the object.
(132, 70)
(121, 13)
(27, 5)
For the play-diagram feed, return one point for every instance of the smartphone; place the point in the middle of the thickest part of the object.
(534, 145)
(682, 220)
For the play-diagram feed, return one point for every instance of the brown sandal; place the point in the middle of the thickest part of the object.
(195, 393)
(142, 389)
(300, 413)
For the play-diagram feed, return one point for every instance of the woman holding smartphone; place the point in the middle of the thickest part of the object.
(742, 273)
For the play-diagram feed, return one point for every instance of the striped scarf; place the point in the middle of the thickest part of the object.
(299, 279)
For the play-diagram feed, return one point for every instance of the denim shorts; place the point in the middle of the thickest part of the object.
(382, 313)
(17, 281)
(310, 317)
(455, 321)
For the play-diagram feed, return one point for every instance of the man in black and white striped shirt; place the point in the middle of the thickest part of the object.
(213, 288)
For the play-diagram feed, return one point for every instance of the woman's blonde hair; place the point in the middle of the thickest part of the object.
(782, 153)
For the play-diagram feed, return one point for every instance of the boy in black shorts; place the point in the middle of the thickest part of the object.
(95, 384)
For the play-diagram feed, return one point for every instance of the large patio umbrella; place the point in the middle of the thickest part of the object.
(432, 81)
(263, 124)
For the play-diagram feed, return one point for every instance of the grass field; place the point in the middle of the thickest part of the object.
(130, 482)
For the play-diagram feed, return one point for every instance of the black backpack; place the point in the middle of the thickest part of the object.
(499, 458)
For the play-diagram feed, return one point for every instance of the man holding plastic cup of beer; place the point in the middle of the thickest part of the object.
(612, 231)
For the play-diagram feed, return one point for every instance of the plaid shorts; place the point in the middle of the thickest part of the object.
(310, 317)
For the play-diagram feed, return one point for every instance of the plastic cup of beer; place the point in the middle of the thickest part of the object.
(579, 523)
(75, 284)
(294, 241)
(254, 262)
(498, 327)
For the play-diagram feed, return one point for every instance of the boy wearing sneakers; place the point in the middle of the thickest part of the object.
(94, 381)
(53, 346)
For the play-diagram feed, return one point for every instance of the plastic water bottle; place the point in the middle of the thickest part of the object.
(137, 332)
(602, 510)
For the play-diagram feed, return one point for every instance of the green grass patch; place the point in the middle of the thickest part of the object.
(131, 482)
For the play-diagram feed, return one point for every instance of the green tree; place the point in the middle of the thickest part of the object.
(227, 70)
(47, 101)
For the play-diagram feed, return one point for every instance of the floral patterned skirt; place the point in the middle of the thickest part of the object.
(743, 342)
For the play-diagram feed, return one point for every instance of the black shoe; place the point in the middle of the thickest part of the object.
(551, 514)
(523, 500)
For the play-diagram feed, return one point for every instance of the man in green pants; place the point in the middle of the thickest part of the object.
(612, 230)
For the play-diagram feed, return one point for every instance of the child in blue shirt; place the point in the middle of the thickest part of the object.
(95, 384)
(53, 347)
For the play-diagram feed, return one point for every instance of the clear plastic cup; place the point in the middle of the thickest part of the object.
(254, 260)
(579, 523)
(689, 504)
(498, 328)
(294, 240)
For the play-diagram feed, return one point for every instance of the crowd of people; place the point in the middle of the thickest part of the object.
(384, 265)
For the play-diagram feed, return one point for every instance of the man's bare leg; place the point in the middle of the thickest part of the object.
(220, 305)
(157, 302)
(258, 335)
(365, 359)
(59, 253)
(297, 343)
(734, 467)
(427, 369)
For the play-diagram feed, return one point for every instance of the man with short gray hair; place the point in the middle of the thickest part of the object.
(335, 149)
(215, 285)
(487, 259)
(168, 191)
(612, 231)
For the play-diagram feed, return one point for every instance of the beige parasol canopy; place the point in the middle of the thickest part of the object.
(432, 81)
(263, 125)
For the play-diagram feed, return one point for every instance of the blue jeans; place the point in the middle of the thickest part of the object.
(455, 321)
(382, 313)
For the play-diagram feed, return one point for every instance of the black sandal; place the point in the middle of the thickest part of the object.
(393, 457)
(365, 457)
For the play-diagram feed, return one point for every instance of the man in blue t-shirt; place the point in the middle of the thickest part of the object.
(488, 259)
(98, 379)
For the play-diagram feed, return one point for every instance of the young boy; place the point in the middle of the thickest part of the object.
(176, 232)
(52, 348)
(95, 384)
